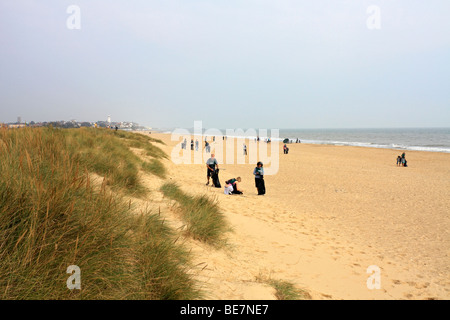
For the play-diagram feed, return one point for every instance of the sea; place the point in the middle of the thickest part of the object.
(418, 139)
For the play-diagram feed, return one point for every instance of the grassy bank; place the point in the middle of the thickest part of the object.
(51, 217)
(108, 153)
(203, 218)
(284, 290)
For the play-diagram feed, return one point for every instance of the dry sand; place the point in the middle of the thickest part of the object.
(329, 213)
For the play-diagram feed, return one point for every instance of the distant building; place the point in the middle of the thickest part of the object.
(17, 125)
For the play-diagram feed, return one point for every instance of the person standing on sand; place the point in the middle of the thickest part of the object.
(259, 178)
(196, 144)
(211, 164)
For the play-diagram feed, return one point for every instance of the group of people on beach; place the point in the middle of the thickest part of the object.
(266, 140)
(401, 161)
(232, 185)
(196, 144)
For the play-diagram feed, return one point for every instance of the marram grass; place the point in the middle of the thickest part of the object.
(51, 217)
(203, 218)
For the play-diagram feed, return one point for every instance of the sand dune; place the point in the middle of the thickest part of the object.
(329, 213)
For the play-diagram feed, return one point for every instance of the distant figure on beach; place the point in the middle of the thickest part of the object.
(211, 165)
(245, 149)
(192, 144)
(285, 149)
(207, 147)
(196, 144)
(232, 187)
(399, 161)
(259, 178)
(404, 160)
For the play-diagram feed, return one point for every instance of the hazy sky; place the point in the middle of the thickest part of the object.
(230, 64)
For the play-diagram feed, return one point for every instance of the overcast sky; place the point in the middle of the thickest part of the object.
(231, 64)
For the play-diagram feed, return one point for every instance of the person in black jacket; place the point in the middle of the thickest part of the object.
(259, 178)
(211, 166)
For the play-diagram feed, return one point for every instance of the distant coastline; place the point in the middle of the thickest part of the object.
(67, 124)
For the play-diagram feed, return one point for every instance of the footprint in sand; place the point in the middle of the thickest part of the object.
(419, 285)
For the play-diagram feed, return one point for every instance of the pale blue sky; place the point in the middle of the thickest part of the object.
(230, 64)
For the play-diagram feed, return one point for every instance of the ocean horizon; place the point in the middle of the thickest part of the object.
(416, 139)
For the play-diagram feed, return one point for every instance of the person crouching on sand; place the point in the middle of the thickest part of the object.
(231, 186)
(259, 178)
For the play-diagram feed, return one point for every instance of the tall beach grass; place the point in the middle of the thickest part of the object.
(202, 215)
(52, 216)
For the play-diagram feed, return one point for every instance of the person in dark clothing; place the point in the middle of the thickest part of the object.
(215, 178)
(403, 159)
(211, 165)
(235, 189)
(259, 178)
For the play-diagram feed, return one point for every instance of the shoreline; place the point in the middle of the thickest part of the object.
(333, 143)
(329, 213)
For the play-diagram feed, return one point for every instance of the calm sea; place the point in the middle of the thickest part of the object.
(420, 139)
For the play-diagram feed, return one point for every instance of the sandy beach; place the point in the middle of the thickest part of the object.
(329, 213)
